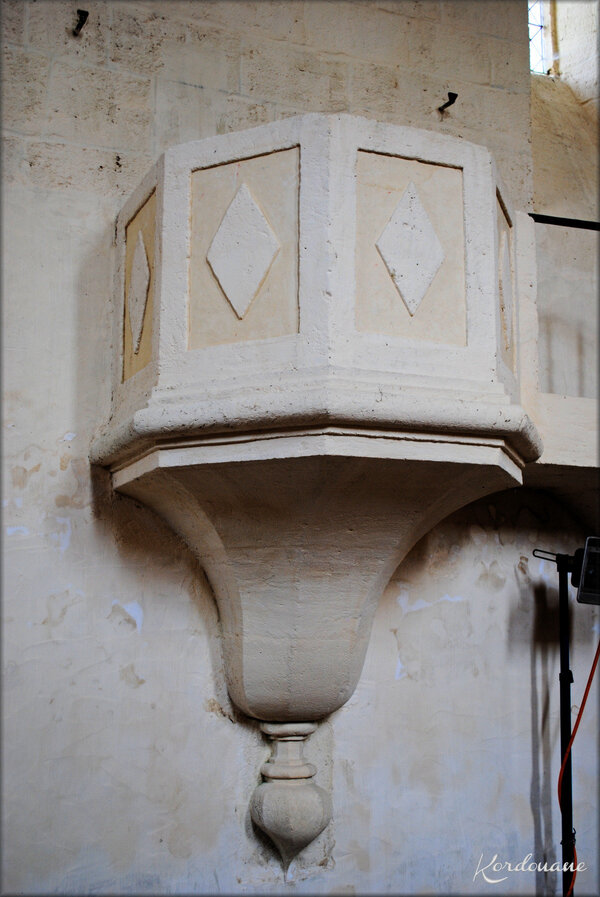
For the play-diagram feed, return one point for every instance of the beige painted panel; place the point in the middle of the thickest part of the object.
(441, 314)
(143, 222)
(272, 181)
(505, 286)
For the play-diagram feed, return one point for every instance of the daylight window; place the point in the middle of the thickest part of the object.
(537, 61)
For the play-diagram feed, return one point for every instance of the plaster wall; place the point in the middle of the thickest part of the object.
(123, 771)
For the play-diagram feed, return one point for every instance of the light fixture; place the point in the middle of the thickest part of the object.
(586, 572)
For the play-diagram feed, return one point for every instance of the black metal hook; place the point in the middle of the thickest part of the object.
(82, 17)
(452, 98)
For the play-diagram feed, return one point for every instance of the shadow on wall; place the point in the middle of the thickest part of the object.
(544, 644)
(538, 603)
(474, 620)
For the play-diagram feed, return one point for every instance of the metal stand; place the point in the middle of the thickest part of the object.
(584, 568)
(564, 563)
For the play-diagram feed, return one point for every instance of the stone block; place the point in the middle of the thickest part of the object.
(13, 158)
(233, 113)
(12, 21)
(450, 54)
(278, 19)
(101, 107)
(183, 112)
(401, 97)
(358, 31)
(422, 9)
(207, 58)
(138, 35)
(275, 19)
(24, 83)
(305, 80)
(377, 90)
(51, 25)
(506, 19)
(509, 65)
(511, 127)
(58, 166)
(149, 43)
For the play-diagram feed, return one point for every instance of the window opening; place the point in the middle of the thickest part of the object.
(537, 61)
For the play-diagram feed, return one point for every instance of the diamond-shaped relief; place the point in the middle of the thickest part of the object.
(410, 249)
(137, 297)
(242, 251)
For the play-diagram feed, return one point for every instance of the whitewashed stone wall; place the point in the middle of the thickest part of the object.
(122, 770)
(144, 76)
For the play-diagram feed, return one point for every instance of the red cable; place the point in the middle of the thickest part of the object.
(568, 751)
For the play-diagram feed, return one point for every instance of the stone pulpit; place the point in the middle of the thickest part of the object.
(315, 361)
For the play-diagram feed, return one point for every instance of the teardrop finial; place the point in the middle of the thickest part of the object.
(288, 806)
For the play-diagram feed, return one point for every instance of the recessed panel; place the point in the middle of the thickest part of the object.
(139, 289)
(244, 250)
(505, 286)
(410, 268)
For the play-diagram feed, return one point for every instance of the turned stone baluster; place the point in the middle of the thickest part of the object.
(288, 806)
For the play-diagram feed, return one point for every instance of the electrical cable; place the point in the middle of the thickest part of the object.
(568, 751)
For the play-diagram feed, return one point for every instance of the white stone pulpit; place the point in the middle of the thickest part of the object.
(315, 361)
